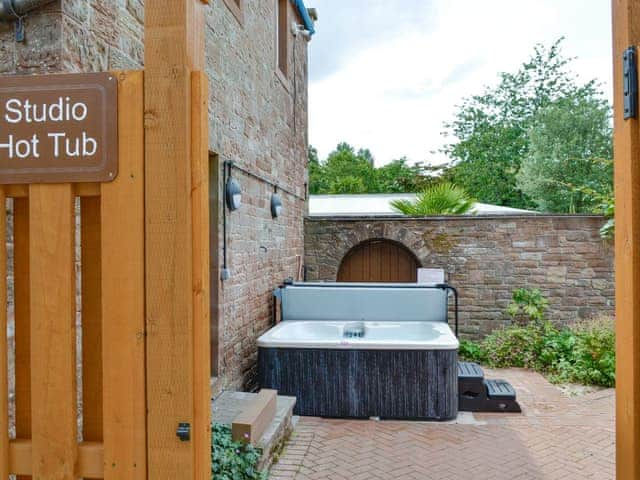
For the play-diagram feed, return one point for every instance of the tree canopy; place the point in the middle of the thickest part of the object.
(538, 139)
(525, 119)
(569, 156)
(349, 171)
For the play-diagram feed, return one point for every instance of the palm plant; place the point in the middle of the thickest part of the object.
(440, 199)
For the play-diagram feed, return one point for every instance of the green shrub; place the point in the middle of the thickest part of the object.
(593, 359)
(539, 346)
(584, 353)
(233, 460)
(527, 305)
(471, 351)
(439, 199)
(514, 347)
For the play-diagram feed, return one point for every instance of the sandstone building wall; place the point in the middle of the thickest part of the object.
(258, 119)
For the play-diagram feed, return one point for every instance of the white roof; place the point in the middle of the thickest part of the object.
(372, 205)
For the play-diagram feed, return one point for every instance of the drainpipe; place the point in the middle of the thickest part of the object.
(16, 10)
(306, 18)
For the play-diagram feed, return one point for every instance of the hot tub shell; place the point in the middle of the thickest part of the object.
(405, 368)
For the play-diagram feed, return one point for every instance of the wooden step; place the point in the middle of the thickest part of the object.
(228, 405)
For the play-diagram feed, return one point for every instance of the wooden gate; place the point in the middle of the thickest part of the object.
(626, 34)
(121, 390)
(379, 261)
(57, 227)
(96, 394)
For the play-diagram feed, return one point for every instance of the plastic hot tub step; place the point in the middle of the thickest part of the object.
(470, 371)
(477, 394)
(501, 397)
(500, 390)
(470, 380)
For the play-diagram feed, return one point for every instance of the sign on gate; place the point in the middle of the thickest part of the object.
(58, 128)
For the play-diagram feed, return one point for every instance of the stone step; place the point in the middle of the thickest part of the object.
(229, 404)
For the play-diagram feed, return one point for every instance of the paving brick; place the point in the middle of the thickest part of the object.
(556, 438)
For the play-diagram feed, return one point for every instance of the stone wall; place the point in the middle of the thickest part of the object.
(258, 119)
(486, 258)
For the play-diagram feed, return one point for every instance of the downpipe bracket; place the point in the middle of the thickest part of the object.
(19, 30)
(16, 11)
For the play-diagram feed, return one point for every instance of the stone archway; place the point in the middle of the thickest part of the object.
(379, 260)
(328, 242)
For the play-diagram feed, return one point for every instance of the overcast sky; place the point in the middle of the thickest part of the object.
(386, 74)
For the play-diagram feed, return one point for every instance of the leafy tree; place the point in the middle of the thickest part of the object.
(492, 130)
(344, 171)
(349, 171)
(604, 205)
(348, 184)
(568, 141)
(439, 199)
(317, 181)
(400, 177)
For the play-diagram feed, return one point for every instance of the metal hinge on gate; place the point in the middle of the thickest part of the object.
(184, 432)
(630, 87)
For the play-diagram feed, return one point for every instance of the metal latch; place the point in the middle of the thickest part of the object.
(630, 83)
(184, 432)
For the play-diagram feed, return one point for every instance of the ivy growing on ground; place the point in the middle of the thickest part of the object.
(233, 460)
(583, 353)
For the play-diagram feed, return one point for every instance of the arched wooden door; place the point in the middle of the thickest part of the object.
(379, 261)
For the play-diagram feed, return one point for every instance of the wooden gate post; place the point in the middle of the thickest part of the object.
(626, 32)
(177, 257)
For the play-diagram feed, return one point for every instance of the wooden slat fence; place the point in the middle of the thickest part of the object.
(47, 443)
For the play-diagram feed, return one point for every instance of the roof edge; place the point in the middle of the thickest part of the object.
(404, 218)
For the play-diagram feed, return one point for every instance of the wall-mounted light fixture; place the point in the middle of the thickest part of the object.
(232, 200)
(233, 194)
(276, 205)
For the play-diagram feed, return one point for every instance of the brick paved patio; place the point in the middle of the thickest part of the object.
(556, 437)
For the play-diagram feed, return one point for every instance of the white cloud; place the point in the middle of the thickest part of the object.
(393, 92)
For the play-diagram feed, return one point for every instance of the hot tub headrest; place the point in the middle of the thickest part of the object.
(370, 302)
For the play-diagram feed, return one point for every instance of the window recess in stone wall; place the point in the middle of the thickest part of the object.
(282, 47)
(237, 8)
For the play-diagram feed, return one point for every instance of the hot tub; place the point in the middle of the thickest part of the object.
(377, 336)
(360, 351)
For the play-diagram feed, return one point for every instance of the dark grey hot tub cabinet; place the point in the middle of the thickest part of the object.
(391, 384)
